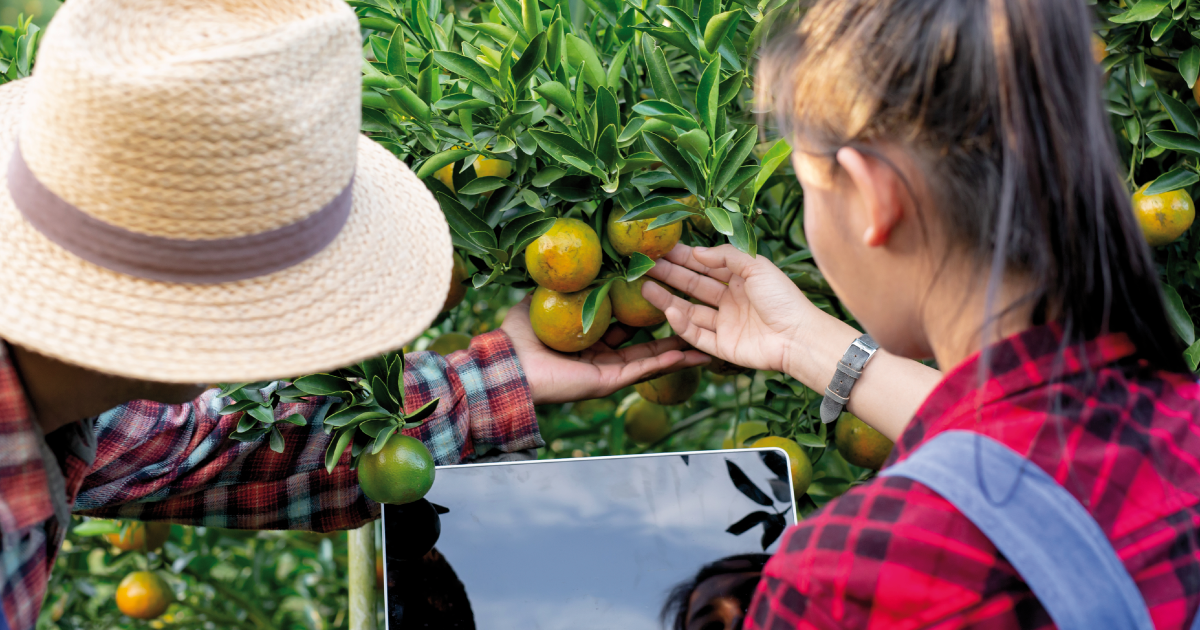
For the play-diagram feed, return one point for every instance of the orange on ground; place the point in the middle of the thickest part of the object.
(566, 258)
(630, 307)
(458, 290)
(450, 342)
(143, 595)
(557, 319)
(401, 472)
(646, 422)
(800, 464)
(859, 444)
(446, 176)
(136, 538)
(721, 367)
(631, 237)
(672, 389)
(1163, 217)
(745, 430)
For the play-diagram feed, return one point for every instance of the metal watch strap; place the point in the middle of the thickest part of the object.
(848, 370)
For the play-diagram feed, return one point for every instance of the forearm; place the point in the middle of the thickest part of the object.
(890, 390)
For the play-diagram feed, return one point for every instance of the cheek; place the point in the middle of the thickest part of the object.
(825, 233)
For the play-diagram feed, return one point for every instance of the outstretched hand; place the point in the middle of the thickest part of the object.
(752, 313)
(555, 377)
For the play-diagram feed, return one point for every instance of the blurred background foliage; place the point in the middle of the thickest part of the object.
(41, 10)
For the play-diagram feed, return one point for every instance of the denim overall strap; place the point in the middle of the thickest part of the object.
(1050, 539)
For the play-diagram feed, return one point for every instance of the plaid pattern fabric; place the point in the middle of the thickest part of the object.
(173, 462)
(1121, 438)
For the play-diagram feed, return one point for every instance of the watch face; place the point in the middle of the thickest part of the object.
(596, 543)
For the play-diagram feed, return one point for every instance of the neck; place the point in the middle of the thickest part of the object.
(61, 393)
(957, 322)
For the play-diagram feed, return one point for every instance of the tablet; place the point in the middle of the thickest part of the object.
(579, 544)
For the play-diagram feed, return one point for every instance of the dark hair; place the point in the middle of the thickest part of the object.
(999, 103)
(678, 605)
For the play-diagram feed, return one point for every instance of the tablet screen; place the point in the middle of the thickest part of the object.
(578, 544)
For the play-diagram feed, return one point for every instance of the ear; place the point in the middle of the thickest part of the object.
(880, 189)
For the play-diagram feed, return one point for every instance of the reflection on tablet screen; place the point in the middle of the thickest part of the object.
(589, 543)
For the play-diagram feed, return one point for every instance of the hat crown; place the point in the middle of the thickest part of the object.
(196, 119)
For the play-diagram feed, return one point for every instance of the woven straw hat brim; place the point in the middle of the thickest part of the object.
(376, 287)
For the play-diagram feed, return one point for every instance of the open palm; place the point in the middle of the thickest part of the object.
(757, 313)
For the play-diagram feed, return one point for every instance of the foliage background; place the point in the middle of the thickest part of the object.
(1151, 58)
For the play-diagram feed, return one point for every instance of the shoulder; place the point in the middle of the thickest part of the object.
(888, 553)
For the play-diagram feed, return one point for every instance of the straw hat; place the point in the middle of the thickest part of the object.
(185, 196)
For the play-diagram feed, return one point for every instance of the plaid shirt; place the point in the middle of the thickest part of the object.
(173, 462)
(893, 554)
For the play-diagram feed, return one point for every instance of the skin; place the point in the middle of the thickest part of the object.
(880, 250)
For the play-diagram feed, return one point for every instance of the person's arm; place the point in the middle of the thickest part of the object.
(176, 463)
(754, 316)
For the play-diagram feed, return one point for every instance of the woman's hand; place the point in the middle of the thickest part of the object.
(759, 313)
(555, 377)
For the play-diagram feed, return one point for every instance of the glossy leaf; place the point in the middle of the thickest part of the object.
(463, 66)
(606, 146)
(1181, 116)
(533, 56)
(592, 304)
(661, 79)
(337, 446)
(653, 207)
(718, 27)
(669, 218)
(1189, 65)
(737, 155)
(808, 439)
(581, 55)
(411, 103)
(480, 185)
(1143, 11)
(676, 163)
(776, 155)
(1173, 180)
(695, 142)
(558, 95)
(441, 160)
(720, 220)
(730, 88)
(322, 384)
(1177, 313)
(639, 264)
(396, 58)
(1176, 141)
(548, 175)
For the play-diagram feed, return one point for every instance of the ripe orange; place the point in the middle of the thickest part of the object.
(401, 472)
(1163, 217)
(859, 444)
(646, 422)
(450, 342)
(557, 319)
(672, 389)
(801, 465)
(143, 595)
(136, 538)
(630, 307)
(699, 222)
(1099, 48)
(488, 167)
(745, 430)
(631, 237)
(458, 290)
(446, 176)
(565, 259)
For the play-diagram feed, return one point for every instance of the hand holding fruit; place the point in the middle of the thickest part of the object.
(598, 370)
(752, 314)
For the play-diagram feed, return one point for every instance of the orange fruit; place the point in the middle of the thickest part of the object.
(800, 466)
(630, 307)
(488, 167)
(450, 342)
(859, 444)
(699, 222)
(745, 430)
(646, 422)
(721, 367)
(557, 319)
(1099, 48)
(672, 389)
(143, 595)
(401, 472)
(633, 236)
(566, 258)
(136, 538)
(1163, 217)
(446, 176)
(458, 290)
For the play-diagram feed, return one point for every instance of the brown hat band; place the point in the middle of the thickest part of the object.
(162, 259)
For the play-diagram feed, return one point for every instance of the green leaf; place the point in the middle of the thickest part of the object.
(639, 264)
(96, 527)
(464, 67)
(1173, 180)
(661, 78)
(441, 160)
(581, 55)
(1139, 69)
(606, 146)
(534, 54)
(652, 208)
(322, 385)
(276, 440)
(480, 185)
(548, 175)
(411, 103)
(808, 439)
(776, 155)
(296, 419)
(695, 142)
(511, 11)
(241, 405)
(531, 18)
(1189, 65)
(678, 39)
(737, 155)
(557, 94)
(531, 233)
(742, 236)
(613, 80)
(1141, 12)
(631, 131)
(397, 60)
(381, 440)
(1177, 313)
(562, 144)
(607, 111)
(730, 88)
(465, 222)
(554, 45)
(456, 102)
(1192, 356)
(1184, 119)
(1176, 141)
(592, 304)
(423, 412)
(720, 220)
(717, 28)
(667, 112)
(669, 218)
(676, 163)
(500, 33)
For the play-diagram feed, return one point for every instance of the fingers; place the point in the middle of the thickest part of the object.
(683, 256)
(726, 256)
(657, 365)
(703, 288)
(665, 301)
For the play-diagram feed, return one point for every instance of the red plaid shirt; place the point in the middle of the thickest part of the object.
(893, 554)
(175, 463)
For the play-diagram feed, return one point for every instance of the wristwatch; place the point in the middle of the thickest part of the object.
(848, 370)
